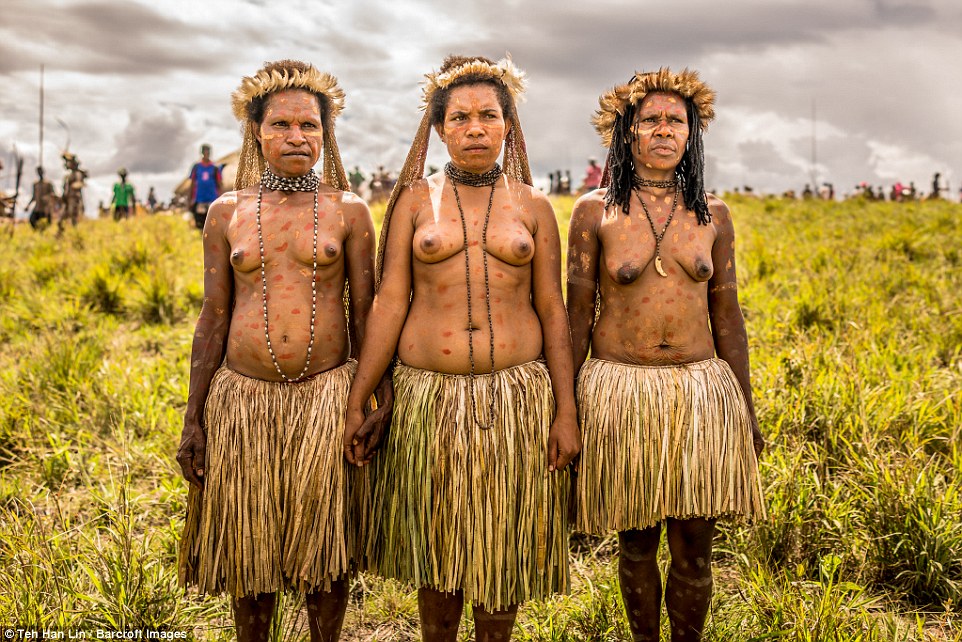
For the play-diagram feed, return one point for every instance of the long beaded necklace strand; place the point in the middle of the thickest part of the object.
(477, 180)
(306, 183)
(658, 237)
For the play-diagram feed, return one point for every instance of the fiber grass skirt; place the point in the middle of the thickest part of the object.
(462, 508)
(663, 441)
(281, 507)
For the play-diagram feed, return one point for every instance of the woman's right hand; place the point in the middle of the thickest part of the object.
(353, 421)
(192, 453)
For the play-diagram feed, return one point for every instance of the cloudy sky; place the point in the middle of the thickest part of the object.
(143, 84)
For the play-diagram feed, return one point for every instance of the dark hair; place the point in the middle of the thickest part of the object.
(690, 170)
(257, 106)
(439, 100)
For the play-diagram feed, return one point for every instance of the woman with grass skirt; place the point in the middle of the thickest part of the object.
(665, 405)
(272, 503)
(472, 488)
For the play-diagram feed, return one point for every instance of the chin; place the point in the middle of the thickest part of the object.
(294, 168)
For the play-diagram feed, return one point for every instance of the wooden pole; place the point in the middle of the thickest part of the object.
(40, 164)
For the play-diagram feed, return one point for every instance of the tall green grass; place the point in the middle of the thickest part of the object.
(855, 326)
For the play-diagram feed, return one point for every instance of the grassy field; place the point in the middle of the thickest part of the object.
(855, 322)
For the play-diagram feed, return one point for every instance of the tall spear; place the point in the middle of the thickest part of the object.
(16, 191)
(41, 117)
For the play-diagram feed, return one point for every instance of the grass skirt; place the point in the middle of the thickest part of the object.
(663, 441)
(281, 507)
(462, 508)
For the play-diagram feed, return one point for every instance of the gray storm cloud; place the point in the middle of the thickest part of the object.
(880, 71)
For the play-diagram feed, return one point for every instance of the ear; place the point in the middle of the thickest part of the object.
(507, 125)
(440, 130)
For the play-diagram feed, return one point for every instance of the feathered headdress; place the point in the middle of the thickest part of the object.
(515, 153)
(274, 77)
(686, 84)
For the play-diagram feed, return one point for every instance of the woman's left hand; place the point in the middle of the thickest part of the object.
(564, 442)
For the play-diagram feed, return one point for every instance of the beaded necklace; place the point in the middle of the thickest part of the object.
(491, 177)
(638, 181)
(658, 237)
(307, 183)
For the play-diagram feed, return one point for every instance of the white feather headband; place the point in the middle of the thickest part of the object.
(505, 71)
(267, 82)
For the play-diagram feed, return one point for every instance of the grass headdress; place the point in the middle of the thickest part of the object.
(457, 71)
(278, 76)
(614, 120)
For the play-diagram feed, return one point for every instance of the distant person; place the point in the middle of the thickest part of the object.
(151, 200)
(592, 180)
(807, 193)
(43, 202)
(357, 179)
(73, 185)
(123, 199)
(936, 189)
(205, 186)
(913, 192)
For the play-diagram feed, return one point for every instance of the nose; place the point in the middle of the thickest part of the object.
(475, 128)
(296, 136)
(662, 129)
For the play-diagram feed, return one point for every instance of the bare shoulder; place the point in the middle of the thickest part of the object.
(352, 204)
(222, 212)
(589, 208)
(718, 209)
(529, 196)
(410, 200)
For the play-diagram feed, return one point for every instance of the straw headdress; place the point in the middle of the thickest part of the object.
(278, 76)
(686, 83)
(515, 154)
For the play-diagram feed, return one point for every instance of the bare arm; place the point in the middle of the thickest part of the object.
(359, 263)
(210, 337)
(584, 252)
(564, 442)
(384, 325)
(725, 314)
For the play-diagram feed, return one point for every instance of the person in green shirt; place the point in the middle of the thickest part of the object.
(123, 200)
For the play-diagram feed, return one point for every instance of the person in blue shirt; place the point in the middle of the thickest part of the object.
(205, 186)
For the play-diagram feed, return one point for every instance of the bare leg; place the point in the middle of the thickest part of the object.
(325, 612)
(494, 626)
(252, 616)
(440, 614)
(689, 587)
(641, 581)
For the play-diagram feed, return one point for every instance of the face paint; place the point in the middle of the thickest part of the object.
(660, 132)
(474, 127)
(291, 133)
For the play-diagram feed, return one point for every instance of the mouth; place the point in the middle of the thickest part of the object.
(476, 148)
